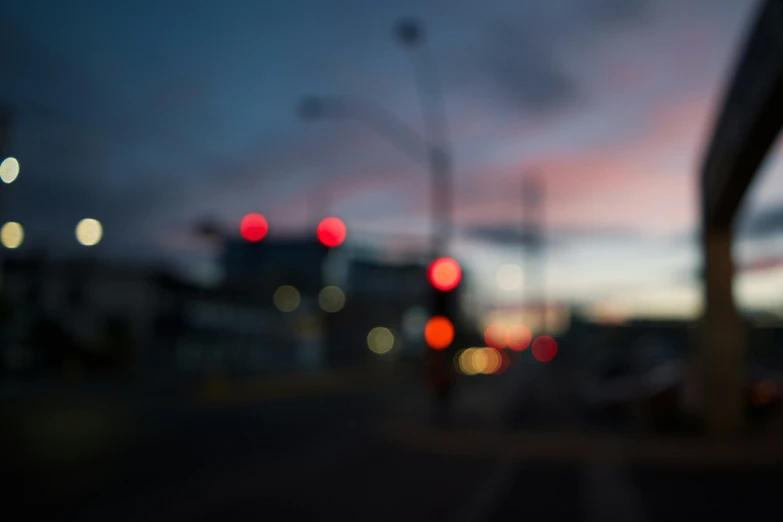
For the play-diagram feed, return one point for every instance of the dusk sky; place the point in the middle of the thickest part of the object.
(152, 114)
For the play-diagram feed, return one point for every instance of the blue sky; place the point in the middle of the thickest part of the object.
(151, 114)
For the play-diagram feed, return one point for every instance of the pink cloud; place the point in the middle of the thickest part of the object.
(647, 180)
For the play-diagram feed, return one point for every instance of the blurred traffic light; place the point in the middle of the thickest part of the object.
(444, 273)
(253, 227)
(439, 332)
(331, 232)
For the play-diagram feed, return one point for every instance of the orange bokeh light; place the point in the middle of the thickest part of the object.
(544, 348)
(519, 337)
(496, 336)
(492, 361)
(439, 333)
(253, 227)
(444, 273)
(331, 232)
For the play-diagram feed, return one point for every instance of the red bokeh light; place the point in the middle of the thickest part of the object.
(439, 333)
(544, 348)
(505, 361)
(496, 336)
(444, 273)
(519, 337)
(253, 227)
(331, 232)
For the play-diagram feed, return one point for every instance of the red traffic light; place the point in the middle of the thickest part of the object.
(331, 232)
(439, 333)
(444, 273)
(254, 227)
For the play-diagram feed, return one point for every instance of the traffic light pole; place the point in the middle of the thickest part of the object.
(410, 34)
(533, 228)
(441, 180)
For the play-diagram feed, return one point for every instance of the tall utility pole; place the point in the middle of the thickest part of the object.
(432, 149)
(410, 34)
(533, 226)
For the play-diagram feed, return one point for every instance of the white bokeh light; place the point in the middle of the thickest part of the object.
(9, 170)
(89, 232)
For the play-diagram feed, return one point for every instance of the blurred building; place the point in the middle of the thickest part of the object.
(266, 265)
(90, 311)
(396, 296)
(238, 334)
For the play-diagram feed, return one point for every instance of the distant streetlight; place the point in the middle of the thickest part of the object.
(89, 232)
(331, 299)
(12, 235)
(287, 298)
(9, 170)
(380, 340)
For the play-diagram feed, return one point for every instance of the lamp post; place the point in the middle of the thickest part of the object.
(431, 149)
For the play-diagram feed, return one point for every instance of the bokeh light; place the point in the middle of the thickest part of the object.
(492, 359)
(478, 360)
(12, 234)
(89, 232)
(331, 299)
(439, 332)
(486, 360)
(414, 320)
(286, 298)
(464, 361)
(444, 273)
(331, 232)
(519, 337)
(505, 362)
(9, 170)
(544, 348)
(380, 340)
(509, 277)
(496, 336)
(253, 227)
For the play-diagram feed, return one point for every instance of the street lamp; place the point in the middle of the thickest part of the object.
(89, 232)
(432, 148)
(433, 152)
(9, 169)
(408, 31)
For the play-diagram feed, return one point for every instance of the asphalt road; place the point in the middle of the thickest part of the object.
(324, 458)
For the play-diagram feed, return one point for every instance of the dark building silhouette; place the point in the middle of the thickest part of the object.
(268, 264)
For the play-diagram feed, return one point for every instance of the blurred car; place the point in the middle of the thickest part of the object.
(648, 386)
